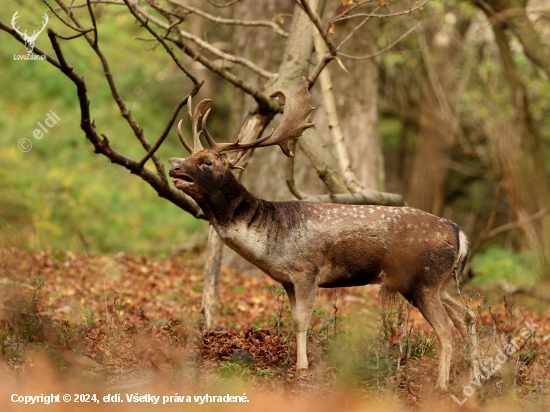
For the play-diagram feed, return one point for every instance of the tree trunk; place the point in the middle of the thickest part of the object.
(526, 166)
(358, 113)
(514, 14)
(437, 120)
(210, 293)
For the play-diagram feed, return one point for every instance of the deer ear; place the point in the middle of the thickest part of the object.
(237, 167)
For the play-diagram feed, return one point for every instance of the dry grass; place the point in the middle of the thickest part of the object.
(75, 323)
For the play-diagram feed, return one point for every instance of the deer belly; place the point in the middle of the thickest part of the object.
(345, 278)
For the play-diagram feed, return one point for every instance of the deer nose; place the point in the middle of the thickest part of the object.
(173, 171)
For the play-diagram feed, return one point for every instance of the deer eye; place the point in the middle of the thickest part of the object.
(208, 163)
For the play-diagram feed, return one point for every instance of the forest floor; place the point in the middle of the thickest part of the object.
(118, 321)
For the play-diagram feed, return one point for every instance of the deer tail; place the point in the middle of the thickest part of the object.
(462, 255)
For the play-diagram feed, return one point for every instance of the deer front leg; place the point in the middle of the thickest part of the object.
(302, 299)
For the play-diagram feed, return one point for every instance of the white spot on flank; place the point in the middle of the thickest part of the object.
(378, 207)
(372, 211)
(383, 216)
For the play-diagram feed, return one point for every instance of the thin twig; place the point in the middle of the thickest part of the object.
(290, 173)
(355, 30)
(400, 13)
(232, 22)
(210, 48)
(161, 41)
(102, 145)
(126, 113)
(385, 49)
(514, 225)
(75, 36)
(81, 30)
(317, 22)
(93, 22)
(223, 5)
(262, 100)
(171, 121)
(346, 12)
(77, 6)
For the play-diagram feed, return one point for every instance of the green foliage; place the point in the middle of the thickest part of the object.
(60, 194)
(497, 264)
(234, 371)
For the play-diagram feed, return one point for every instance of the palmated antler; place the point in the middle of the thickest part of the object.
(293, 124)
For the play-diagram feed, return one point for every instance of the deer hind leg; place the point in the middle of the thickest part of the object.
(433, 310)
(457, 314)
(302, 299)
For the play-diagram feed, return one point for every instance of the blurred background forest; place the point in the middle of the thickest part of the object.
(444, 117)
(444, 105)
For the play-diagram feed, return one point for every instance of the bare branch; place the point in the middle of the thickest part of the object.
(319, 68)
(290, 174)
(220, 20)
(347, 11)
(220, 6)
(102, 145)
(171, 121)
(317, 21)
(400, 13)
(515, 225)
(262, 100)
(366, 197)
(93, 22)
(126, 113)
(337, 136)
(81, 30)
(161, 40)
(385, 49)
(355, 30)
(226, 56)
(208, 47)
(75, 36)
(77, 6)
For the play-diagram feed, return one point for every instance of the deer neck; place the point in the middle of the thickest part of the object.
(230, 204)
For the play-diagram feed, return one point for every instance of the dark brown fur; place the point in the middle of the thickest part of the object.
(307, 245)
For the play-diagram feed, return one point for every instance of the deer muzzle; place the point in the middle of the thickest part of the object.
(180, 178)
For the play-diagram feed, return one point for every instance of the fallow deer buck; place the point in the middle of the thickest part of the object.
(306, 245)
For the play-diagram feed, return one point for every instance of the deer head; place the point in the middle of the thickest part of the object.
(208, 169)
(29, 40)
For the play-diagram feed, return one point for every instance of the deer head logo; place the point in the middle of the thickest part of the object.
(29, 40)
